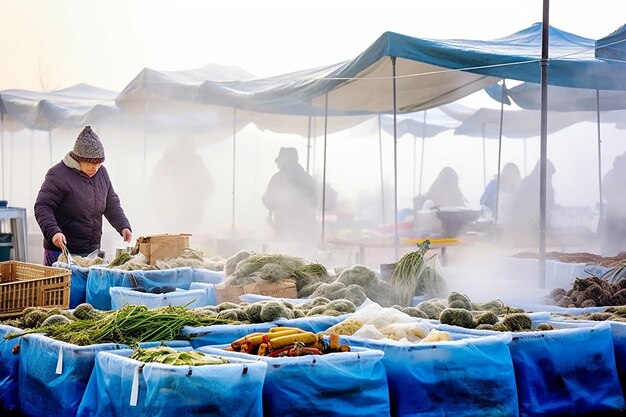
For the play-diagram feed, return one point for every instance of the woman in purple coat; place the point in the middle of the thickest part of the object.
(74, 196)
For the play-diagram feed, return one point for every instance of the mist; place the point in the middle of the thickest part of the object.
(209, 183)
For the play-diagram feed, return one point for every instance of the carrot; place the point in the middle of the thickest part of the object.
(281, 329)
(265, 337)
(305, 337)
(262, 349)
(237, 343)
(334, 342)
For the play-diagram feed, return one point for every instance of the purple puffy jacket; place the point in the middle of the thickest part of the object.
(72, 203)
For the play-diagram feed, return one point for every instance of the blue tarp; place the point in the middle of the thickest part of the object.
(470, 377)
(100, 280)
(120, 386)
(564, 372)
(78, 287)
(336, 384)
(9, 369)
(53, 375)
(120, 296)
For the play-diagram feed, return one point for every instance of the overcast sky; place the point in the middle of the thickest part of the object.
(54, 44)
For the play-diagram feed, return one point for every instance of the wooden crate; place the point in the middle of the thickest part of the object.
(24, 285)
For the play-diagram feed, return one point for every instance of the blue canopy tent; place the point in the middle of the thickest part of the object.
(399, 74)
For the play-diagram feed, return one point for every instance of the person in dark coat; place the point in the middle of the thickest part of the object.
(74, 196)
(291, 199)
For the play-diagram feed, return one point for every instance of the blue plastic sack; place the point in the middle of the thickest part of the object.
(207, 276)
(120, 386)
(9, 369)
(53, 375)
(100, 280)
(472, 376)
(564, 372)
(121, 296)
(219, 334)
(78, 279)
(618, 333)
(336, 384)
(209, 289)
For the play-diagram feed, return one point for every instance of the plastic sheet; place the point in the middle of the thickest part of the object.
(467, 377)
(53, 375)
(219, 334)
(618, 333)
(337, 384)
(9, 370)
(190, 298)
(209, 289)
(207, 276)
(78, 279)
(100, 280)
(564, 372)
(120, 386)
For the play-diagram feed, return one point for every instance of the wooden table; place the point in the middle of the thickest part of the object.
(383, 242)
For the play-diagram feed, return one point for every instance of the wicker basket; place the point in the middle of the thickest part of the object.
(24, 285)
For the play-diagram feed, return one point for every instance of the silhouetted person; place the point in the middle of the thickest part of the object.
(291, 199)
(509, 181)
(444, 191)
(178, 190)
(525, 209)
(613, 231)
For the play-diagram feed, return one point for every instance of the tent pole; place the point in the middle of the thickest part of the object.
(484, 158)
(145, 132)
(324, 171)
(544, 142)
(308, 147)
(422, 155)
(500, 152)
(11, 167)
(396, 236)
(414, 164)
(421, 166)
(601, 208)
(50, 141)
(380, 164)
(232, 226)
(2, 148)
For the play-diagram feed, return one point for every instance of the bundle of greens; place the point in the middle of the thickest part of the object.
(130, 325)
(406, 274)
(169, 356)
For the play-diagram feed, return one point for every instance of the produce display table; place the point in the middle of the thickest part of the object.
(377, 242)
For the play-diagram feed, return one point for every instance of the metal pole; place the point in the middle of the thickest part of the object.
(145, 132)
(308, 147)
(422, 155)
(544, 142)
(380, 164)
(396, 236)
(499, 153)
(232, 226)
(324, 172)
(484, 159)
(601, 208)
(2, 160)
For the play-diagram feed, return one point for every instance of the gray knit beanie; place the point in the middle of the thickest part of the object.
(88, 147)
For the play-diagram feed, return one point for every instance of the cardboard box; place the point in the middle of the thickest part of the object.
(165, 246)
(231, 293)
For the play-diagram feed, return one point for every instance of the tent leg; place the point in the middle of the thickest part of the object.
(601, 208)
(324, 170)
(544, 142)
(232, 226)
(380, 164)
(499, 153)
(396, 236)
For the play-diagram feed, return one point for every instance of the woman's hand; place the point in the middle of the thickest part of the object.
(127, 235)
(59, 240)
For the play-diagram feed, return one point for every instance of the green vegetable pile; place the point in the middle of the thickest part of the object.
(169, 356)
(406, 274)
(130, 325)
